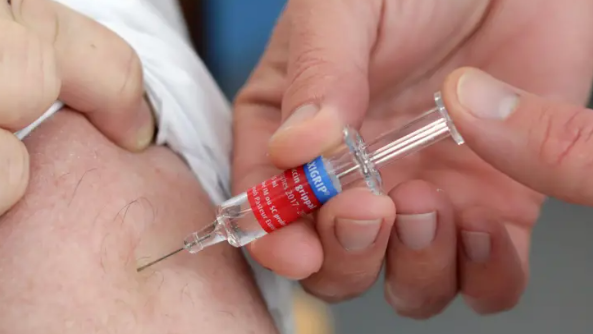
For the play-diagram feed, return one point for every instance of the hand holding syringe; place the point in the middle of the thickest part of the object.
(281, 200)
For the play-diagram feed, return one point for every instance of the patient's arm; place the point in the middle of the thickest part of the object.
(69, 250)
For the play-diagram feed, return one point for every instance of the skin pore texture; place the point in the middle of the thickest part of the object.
(70, 248)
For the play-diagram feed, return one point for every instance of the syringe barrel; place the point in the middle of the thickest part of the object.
(371, 156)
(275, 203)
(297, 192)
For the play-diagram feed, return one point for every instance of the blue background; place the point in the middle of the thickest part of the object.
(238, 32)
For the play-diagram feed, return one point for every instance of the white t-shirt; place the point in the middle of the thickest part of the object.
(193, 116)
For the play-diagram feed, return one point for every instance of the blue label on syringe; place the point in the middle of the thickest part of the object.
(320, 181)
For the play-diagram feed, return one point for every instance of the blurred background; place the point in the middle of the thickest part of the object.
(231, 35)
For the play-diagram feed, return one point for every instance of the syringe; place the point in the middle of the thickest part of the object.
(297, 192)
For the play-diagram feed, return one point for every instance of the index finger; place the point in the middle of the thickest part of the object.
(327, 76)
(257, 116)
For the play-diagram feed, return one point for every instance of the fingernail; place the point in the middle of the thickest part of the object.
(145, 126)
(300, 115)
(356, 235)
(486, 97)
(416, 231)
(476, 245)
(145, 136)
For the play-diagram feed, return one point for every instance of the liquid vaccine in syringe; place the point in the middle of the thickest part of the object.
(297, 192)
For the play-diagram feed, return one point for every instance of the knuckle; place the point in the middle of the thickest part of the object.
(29, 82)
(567, 141)
(428, 273)
(564, 134)
(360, 281)
(14, 170)
(262, 94)
(308, 63)
(308, 74)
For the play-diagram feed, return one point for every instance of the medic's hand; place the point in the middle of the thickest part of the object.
(462, 226)
(50, 52)
(546, 145)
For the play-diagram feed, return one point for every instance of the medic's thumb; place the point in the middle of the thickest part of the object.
(547, 146)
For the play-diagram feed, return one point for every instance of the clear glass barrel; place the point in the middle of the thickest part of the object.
(429, 128)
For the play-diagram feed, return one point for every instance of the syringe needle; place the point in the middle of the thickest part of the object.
(199, 240)
(159, 260)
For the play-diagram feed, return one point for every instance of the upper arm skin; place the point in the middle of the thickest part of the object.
(69, 250)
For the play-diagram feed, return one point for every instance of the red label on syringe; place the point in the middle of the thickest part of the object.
(284, 198)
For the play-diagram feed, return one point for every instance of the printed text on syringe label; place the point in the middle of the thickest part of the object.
(318, 181)
(284, 198)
